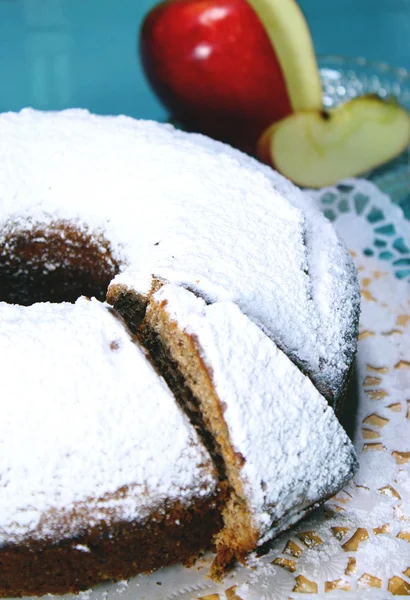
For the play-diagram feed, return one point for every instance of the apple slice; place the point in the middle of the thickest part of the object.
(289, 35)
(319, 148)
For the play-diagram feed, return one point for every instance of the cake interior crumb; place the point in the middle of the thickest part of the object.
(176, 357)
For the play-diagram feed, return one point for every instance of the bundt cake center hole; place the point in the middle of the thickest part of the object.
(57, 263)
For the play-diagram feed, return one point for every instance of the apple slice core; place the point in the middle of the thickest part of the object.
(317, 148)
(289, 34)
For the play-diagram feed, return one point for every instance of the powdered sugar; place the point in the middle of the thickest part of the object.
(323, 562)
(296, 453)
(383, 556)
(191, 211)
(258, 586)
(82, 548)
(88, 429)
(331, 270)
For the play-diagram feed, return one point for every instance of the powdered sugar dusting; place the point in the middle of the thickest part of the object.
(296, 453)
(331, 271)
(383, 556)
(82, 548)
(99, 432)
(323, 562)
(206, 216)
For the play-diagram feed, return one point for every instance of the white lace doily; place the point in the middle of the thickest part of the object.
(358, 544)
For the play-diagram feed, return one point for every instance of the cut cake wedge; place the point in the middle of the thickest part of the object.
(272, 435)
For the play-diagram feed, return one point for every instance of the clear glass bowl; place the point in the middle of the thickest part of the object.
(344, 79)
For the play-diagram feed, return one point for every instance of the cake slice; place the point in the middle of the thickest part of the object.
(101, 474)
(272, 435)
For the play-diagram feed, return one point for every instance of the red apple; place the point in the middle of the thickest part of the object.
(214, 67)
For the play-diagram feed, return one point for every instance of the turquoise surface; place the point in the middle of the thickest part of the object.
(60, 53)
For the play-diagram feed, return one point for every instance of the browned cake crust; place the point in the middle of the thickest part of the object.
(116, 553)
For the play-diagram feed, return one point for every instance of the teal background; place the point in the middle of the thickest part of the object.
(63, 53)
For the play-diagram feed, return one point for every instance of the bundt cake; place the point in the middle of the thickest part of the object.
(190, 409)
